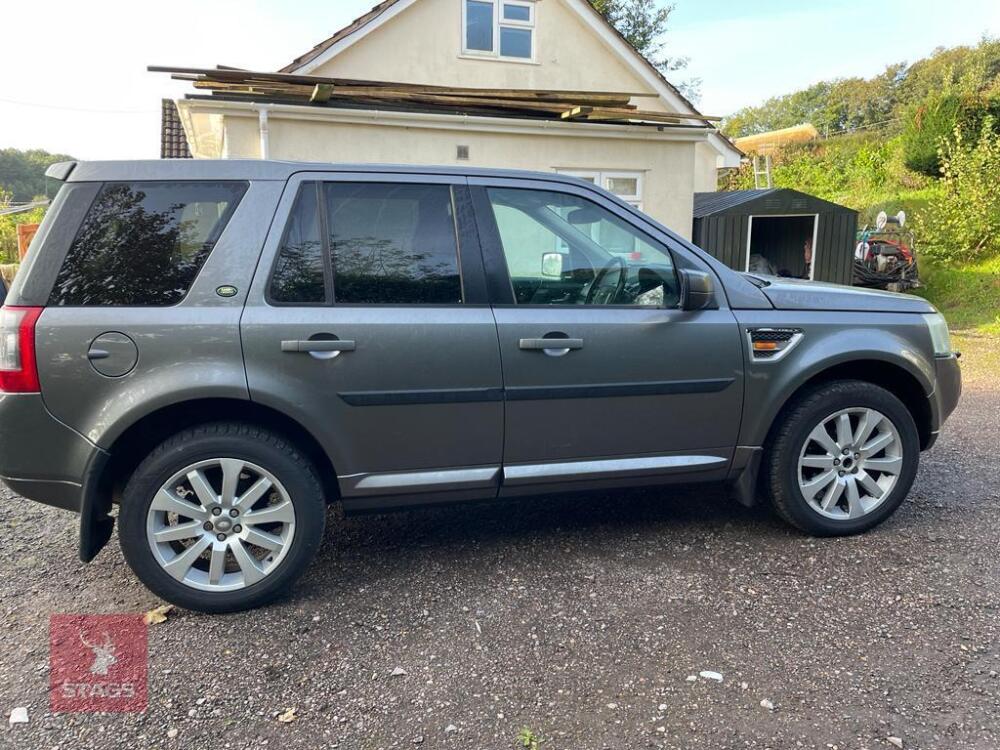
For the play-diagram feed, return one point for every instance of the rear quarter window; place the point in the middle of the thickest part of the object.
(142, 244)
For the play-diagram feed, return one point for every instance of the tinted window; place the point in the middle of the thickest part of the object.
(299, 276)
(393, 244)
(143, 243)
(562, 249)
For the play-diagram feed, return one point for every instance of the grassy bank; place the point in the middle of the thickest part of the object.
(969, 296)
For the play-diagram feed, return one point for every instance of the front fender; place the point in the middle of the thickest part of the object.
(830, 340)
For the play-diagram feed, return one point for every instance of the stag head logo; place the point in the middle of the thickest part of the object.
(107, 673)
(104, 654)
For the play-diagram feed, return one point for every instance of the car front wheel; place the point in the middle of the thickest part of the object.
(222, 517)
(843, 459)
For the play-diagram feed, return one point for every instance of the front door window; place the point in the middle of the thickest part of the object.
(562, 249)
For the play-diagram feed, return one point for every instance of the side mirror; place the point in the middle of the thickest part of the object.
(697, 291)
(552, 265)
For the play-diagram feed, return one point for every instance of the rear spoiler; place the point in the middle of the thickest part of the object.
(60, 170)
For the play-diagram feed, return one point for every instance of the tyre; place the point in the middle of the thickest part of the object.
(222, 517)
(843, 459)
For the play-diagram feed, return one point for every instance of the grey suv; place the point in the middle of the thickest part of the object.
(219, 349)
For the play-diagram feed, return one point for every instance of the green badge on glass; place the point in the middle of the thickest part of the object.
(227, 291)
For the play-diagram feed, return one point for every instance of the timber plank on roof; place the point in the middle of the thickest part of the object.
(577, 106)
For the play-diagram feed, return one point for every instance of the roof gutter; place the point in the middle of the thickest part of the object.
(266, 113)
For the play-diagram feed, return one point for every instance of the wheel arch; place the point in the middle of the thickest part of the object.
(106, 478)
(891, 376)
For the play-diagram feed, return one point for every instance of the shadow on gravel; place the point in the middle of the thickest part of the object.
(549, 519)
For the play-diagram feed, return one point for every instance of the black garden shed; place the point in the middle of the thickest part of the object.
(773, 226)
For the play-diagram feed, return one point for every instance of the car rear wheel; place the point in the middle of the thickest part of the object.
(843, 459)
(222, 517)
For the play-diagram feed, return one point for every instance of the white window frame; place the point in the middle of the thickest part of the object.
(602, 178)
(499, 23)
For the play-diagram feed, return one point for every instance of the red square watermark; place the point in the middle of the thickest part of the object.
(97, 663)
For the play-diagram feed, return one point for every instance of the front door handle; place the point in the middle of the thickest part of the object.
(318, 345)
(551, 345)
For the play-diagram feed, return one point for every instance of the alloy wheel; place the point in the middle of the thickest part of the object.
(850, 463)
(220, 525)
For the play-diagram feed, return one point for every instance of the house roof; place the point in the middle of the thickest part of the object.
(358, 24)
(173, 141)
(770, 199)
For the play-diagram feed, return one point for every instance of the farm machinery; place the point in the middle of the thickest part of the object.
(884, 257)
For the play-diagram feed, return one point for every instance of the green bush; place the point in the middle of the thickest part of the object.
(8, 228)
(961, 223)
(934, 120)
(858, 171)
(928, 123)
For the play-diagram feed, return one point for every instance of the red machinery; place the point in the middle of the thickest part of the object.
(884, 257)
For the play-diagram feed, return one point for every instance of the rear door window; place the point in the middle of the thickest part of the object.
(143, 243)
(363, 243)
(393, 244)
(300, 272)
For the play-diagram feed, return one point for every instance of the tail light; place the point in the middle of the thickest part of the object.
(18, 367)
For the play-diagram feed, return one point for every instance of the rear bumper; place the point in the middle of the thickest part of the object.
(40, 457)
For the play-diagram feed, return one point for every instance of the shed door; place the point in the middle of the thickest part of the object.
(776, 245)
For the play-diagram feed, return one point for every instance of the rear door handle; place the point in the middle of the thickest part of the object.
(555, 345)
(320, 345)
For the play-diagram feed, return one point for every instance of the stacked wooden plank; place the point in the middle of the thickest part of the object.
(593, 106)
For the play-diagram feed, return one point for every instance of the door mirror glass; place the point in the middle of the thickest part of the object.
(552, 265)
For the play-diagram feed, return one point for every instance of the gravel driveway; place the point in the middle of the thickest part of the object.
(582, 619)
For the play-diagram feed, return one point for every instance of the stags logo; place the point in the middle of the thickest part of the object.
(104, 654)
(97, 663)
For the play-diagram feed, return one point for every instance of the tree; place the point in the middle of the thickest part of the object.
(962, 221)
(8, 227)
(644, 23)
(888, 100)
(22, 173)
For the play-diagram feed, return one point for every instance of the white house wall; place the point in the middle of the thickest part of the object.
(423, 44)
(706, 175)
(667, 166)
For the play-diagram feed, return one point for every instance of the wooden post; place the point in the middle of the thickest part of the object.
(25, 233)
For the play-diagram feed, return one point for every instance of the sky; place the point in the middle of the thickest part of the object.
(73, 75)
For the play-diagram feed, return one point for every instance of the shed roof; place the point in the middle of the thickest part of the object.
(770, 199)
(712, 203)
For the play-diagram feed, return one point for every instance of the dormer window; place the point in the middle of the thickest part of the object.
(504, 29)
